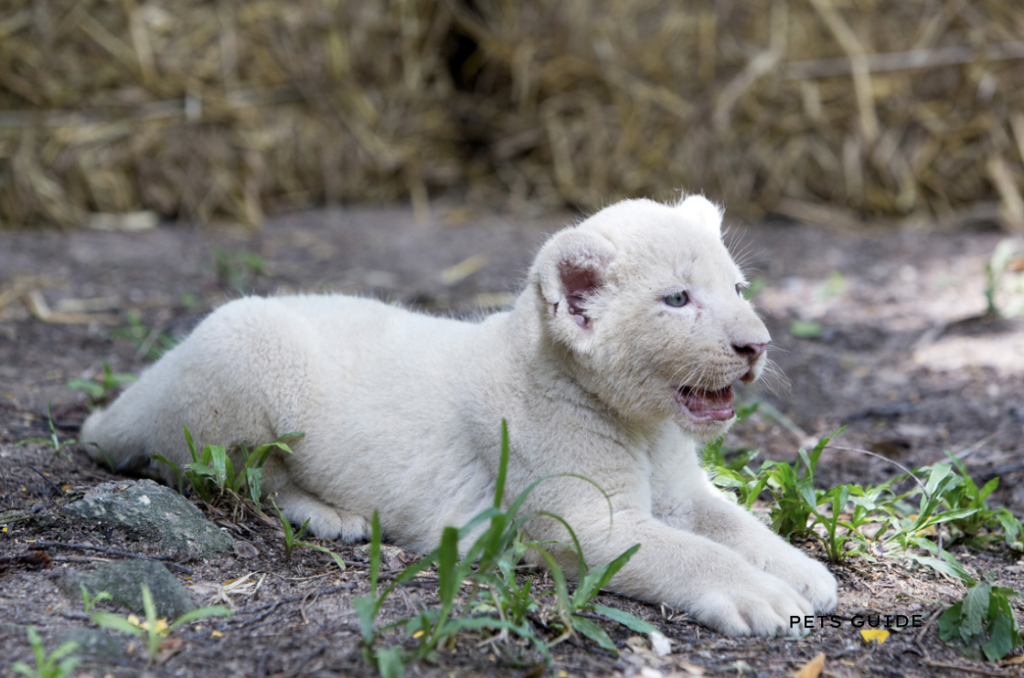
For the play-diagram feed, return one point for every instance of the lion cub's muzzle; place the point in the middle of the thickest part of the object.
(752, 352)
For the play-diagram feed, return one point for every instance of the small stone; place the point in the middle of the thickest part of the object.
(244, 549)
(660, 644)
(123, 580)
(93, 643)
(150, 512)
(391, 557)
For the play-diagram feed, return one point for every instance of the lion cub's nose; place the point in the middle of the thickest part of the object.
(750, 351)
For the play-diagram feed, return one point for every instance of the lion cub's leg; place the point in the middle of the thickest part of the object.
(325, 521)
(718, 519)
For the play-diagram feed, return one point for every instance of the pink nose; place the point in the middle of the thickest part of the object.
(751, 351)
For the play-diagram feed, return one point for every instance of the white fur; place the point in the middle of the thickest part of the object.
(402, 412)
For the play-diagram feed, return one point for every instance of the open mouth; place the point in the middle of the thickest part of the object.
(704, 405)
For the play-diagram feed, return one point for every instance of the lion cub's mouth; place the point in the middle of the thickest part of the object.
(704, 405)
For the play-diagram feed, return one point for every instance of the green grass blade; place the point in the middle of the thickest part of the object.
(938, 474)
(389, 662)
(91, 388)
(253, 480)
(29, 441)
(599, 577)
(631, 622)
(375, 538)
(366, 611)
(219, 457)
(164, 460)
(38, 650)
(191, 446)
(591, 630)
(561, 590)
(302, 530)
(286, 527)
(108, 620)
(486, 514)
(448, 572)
(201, 613)
(499, 491)
(338, 560)
(581, 564)
(820, 447)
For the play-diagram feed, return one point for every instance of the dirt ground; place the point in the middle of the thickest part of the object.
(899, 359)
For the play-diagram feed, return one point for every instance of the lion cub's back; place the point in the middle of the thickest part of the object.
(358, 365)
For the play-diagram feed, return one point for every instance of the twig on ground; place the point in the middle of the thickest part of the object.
(166, 560)
(971, 449)
(920, 634)
(77, 616)
(49, 482)
(968, 669)
(80, 559)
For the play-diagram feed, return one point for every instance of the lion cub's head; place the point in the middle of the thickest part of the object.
(647, 306)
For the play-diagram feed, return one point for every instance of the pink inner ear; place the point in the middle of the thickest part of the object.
(578, 283)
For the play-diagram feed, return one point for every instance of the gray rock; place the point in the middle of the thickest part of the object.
(148, 511)
(123, 580)
(93, 643)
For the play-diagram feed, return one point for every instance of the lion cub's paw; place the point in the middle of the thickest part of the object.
(339, 524)
(325, 521)
(754, 603)
(808, 577)
(355, 529)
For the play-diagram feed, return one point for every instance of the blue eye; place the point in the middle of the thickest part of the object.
(677, 300)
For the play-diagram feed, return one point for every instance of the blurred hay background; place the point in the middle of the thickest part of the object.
(832, 111)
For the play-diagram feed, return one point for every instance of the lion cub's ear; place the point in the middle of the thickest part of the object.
(570, 272)
(702, 212)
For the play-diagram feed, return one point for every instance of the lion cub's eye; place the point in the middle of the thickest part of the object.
(678, 299)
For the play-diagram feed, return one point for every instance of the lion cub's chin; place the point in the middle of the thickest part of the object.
(704, 431)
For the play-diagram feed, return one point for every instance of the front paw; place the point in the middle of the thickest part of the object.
(751, 602)
(807, 576)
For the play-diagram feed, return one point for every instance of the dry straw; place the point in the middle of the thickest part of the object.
(826, 110)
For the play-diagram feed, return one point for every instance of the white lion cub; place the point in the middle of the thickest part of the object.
(616, 361)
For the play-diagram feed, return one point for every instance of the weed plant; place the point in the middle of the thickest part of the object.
(153, 630)
(237, 268)
(89, 602)
(293, 539)
(982, 623)
(53, 442)
(100, 392)
(497, 604)
(212, 472)
(56, 664)
(150, 343)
